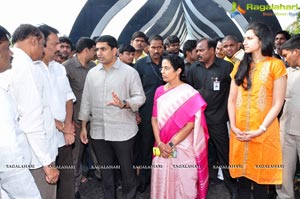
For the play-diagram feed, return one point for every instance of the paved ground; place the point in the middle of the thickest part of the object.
(92, 190)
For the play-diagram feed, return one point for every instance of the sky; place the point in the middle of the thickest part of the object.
(61, 14)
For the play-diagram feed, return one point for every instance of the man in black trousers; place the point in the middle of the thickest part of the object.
(211, 77)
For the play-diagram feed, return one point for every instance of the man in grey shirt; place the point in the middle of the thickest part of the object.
(112, 93)
(77, 68)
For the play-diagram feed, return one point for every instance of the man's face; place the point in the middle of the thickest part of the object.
(173, 48)
(292, 57)
(203, 52)
(138, 43)
(65, 49)
(126, 57)
(5, 56)
(38, 47)
(156, 49)
(279, 40)
(219, 50)
(91, 53)
(51, 47)
(106, 55)
(193, 55)
(230, 47)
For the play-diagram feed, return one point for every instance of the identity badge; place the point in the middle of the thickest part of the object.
(216, 84)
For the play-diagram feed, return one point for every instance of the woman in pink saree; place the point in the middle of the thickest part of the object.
(180, 170)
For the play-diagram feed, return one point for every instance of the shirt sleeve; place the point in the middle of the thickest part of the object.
(7, 123)
(85, 100)
(13, 144)
(69, 93)
(278, 68)
(30, 108)
(137, 95)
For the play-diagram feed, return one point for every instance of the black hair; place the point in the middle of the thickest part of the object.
(4, 34)
(172, 39)
(47, 30)
(210, 43)
(155, 37)
(95, 38)
(138, 34)
(112, 42)
(84, 42)
(285, 33)
(264, 34)
(218, 39)
(65, 39)
(291, 44)
(230, 37)
(24, 31)
(189, 45)
(126, 47)
(176, 62)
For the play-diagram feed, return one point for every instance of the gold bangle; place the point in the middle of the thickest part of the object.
(159, 144)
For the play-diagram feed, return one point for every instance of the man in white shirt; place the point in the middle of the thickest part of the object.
(15, 178)
(61, 100)
(28, 47)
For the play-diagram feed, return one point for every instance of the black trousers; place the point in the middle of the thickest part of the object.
(66, 182)
(106, 152)
(259, 191)
(143, 150)
(220, 140)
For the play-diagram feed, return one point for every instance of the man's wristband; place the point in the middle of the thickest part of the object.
(124, 103)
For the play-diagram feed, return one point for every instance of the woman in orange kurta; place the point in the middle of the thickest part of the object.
(256, 97)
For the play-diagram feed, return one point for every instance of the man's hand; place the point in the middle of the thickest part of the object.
(69, 138)
(52, 174)
(83, 136)
(69, 128)
(116, 101)
(138, 118)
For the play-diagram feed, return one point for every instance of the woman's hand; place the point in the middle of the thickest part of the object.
(165, 150)
(239, 135)
(247, 135)
(253, 134)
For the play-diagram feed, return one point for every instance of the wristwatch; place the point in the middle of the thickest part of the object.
(171, 144)
(124, 103)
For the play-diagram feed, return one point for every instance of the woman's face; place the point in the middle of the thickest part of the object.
(251, 42)
(168, 72)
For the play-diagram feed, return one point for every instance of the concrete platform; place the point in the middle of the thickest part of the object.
(92, 190)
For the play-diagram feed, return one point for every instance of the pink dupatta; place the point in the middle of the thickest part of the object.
(177, 107)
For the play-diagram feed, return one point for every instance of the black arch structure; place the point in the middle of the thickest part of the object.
(184, 18)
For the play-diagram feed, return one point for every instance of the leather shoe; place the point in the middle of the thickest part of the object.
(215, 181)
(234, 195)
(77, 195)
(142, 187)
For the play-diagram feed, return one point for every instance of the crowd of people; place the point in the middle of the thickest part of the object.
(148, 113)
